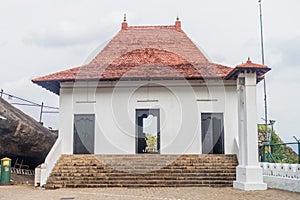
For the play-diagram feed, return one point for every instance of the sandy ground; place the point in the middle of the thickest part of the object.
(29, 192)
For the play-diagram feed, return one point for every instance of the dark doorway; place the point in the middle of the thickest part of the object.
(147, 131)
(212, 133)
(84, 133)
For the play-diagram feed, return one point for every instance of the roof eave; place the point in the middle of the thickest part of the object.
(259, 71)
(52, 85)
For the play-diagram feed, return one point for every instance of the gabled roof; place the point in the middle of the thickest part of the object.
(142, 52)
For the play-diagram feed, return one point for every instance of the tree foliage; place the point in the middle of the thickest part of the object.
(151, 141)
(281, 153)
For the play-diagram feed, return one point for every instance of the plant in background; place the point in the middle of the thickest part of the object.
(151, 141)
(281, 153)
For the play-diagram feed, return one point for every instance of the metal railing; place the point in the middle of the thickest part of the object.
(22, 171)
(268, 156)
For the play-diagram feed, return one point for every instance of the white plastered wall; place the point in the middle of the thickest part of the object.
(180, 107)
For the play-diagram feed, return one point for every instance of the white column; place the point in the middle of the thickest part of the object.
(249, 173)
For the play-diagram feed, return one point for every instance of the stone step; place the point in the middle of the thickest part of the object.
(177, 159)
(146, 170)
(170, 174)
(114, 174)
(88, 172)
(173, 174)
(150, 162)
(194, 163)
(143, 171)
(153, 164)
(136, 179)
(166, 158)
(127, 183)
(56, 186)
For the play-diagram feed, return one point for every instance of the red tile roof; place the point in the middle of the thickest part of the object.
(143, 52)
(250, 64)
(259, 69)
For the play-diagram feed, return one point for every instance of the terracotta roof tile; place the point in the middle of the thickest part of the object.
(142, 52)
(259, 69)
(250, 64)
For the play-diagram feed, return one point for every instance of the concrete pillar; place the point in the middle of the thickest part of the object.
(249, 173)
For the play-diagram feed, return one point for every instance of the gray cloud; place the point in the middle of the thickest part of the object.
(74, 31)
(3, 43)
(65, 35)
(286, 52)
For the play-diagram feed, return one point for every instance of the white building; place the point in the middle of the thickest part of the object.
(151, 90)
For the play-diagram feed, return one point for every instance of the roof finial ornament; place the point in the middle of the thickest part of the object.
(249, 60)
(124, 17)
(124, 23)
(178, 24)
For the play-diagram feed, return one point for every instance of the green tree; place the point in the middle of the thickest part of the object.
(281, 153)
(151, 141)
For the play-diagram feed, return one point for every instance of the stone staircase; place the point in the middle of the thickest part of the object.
(143, 170)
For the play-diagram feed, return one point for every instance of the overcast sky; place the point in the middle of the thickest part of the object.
(38, 37)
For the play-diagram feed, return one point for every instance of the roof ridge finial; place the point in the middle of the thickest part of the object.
(249, 60)
(178, 24)
(124, 19)
(124, 23)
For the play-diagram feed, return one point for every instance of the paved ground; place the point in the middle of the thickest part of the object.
(29, 193)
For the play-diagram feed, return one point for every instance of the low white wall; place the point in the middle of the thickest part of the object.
(288, 184)
(282, 176)
(37, 176)
(52, 157)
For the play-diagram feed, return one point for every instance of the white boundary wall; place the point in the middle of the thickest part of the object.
(282, 176)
